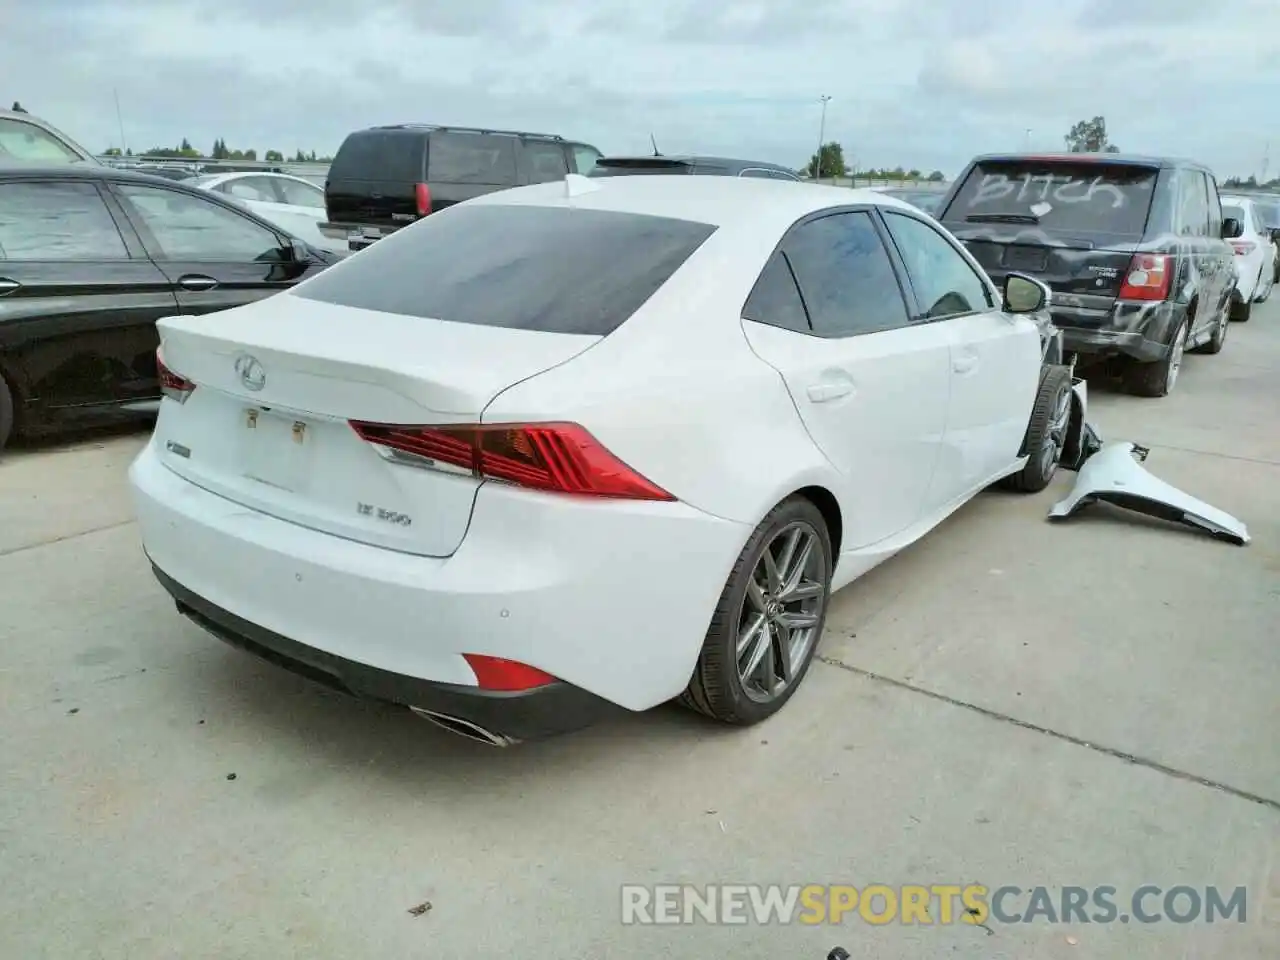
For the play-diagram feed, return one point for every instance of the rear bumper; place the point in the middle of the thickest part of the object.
(1142, 331)
(611, 598)
(526, 715)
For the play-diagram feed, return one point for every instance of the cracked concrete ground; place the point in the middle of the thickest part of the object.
(1007, 702)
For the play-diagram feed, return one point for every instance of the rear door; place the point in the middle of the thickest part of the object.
(213, 256)
(1216, 259)
(465, 165)
(373, 180)
(995, 358)
(829, 313)
(1075, 224)
(78, 297)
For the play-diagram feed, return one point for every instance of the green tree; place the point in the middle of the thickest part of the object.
(111, 152)
(273, 156)
(829, 162)
(17, 107)
(914, 175)
(937, 176)
(1090, 136)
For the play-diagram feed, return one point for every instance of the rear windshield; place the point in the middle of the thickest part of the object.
(1057, 195)
(471, 158)
(387, 155)
(1234, 212)
(630, 168)
(553, 269)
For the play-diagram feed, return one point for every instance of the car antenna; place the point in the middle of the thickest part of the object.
(656, 152)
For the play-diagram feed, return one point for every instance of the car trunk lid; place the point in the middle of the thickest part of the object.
(278, 382)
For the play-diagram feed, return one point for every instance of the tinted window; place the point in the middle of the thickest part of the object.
(1215, 207)
(1270, 214)
(1058, 195)
(584, 157)
(775, 299)
(531, 268)
(710, 170)
(471, 158)
(300, 194)
(380, 155)
(57, 221)
(756, 172)
(942, 279)
(20, 140)
(780, 175)
(845, 276)
(189, 228)
(1231, 211)
(605, 168)
(545, 161)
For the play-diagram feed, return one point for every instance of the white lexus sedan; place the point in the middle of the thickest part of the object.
(291, 203)
(588, 445)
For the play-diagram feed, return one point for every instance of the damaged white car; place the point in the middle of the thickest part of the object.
(591, 445)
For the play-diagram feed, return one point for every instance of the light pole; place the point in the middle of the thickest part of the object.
(822, 132)
(1026, 140)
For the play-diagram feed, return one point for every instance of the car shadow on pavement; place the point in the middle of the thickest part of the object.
(73, 441)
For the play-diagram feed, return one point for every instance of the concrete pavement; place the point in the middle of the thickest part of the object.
(1007, 702)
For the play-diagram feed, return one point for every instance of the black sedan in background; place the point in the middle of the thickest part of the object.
(90, 258)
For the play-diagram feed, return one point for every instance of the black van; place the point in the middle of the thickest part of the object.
(385, 178)
(1134, 249)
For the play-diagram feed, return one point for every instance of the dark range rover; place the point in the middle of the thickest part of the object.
(1134, 248)
(385, 178)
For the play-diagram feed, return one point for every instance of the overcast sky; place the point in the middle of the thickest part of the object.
(916, 83)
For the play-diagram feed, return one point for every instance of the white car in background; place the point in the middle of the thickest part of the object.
(292, 203)
(1256, 254)
(590, 444)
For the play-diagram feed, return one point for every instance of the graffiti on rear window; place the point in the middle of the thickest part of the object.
(1046, 187)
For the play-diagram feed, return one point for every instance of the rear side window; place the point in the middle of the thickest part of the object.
(775, 299)
(1088, 196)
(57, 221)
(1193, 204)
(545, 161)
(552, 269)
(380, 155)
(20, 140)
(1231, 212)
(471, 158)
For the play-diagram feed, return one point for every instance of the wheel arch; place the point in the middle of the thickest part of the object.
(829, 507)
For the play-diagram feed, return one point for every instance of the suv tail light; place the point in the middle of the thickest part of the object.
(172, 385)
(422, 195)
(1242, 247)
(1149, 277)
(552, 457)
(495, 673)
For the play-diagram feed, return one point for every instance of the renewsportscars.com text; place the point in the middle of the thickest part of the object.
(918, 904)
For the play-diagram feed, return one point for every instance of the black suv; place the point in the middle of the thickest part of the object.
(696, 166)
(1134, 249)
(385, 178)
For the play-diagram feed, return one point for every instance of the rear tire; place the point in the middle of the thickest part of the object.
(6, 414)
(1219, 337)
(1157, 378)
(1046, 432)
(746, 675)
(1241, 312)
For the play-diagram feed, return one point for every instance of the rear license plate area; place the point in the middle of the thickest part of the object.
(276, 448)
(1018, 257)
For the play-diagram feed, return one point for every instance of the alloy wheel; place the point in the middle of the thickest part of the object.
(1175, 359)
(778, 623)
(1056, 437)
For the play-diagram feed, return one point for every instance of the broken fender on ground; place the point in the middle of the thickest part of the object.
(1113, 473)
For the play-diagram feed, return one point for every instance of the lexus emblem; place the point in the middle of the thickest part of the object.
(250, 372)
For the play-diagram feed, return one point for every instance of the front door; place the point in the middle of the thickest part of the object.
(78, 298)
(829, 314)
(995, 359)
(214, 257)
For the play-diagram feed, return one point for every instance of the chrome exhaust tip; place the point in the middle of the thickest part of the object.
(465, 728)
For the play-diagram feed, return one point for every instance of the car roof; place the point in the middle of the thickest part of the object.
(719, 201)
(697, 159)
(1135, 159)
(78, 171)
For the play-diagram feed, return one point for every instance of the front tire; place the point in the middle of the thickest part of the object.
(1242, 311)
(766, 627)
(1046, 432)
(1219, 337)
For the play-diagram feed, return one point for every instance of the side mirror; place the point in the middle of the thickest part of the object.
(1231, 228)
(298, 251)
(1023, 294)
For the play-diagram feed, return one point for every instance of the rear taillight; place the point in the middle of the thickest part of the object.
(1243, 247)
(1148, 278)
(172, 385)
(495, 673)
(552, 457)
(422, 195)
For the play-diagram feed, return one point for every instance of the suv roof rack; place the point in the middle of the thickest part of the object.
(481, 130)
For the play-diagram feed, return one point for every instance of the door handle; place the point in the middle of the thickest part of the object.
(822, 392)
(965, 363)
(196, 282)
(8, 286)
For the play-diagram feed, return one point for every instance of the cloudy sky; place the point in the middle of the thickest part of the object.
(916, 83)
